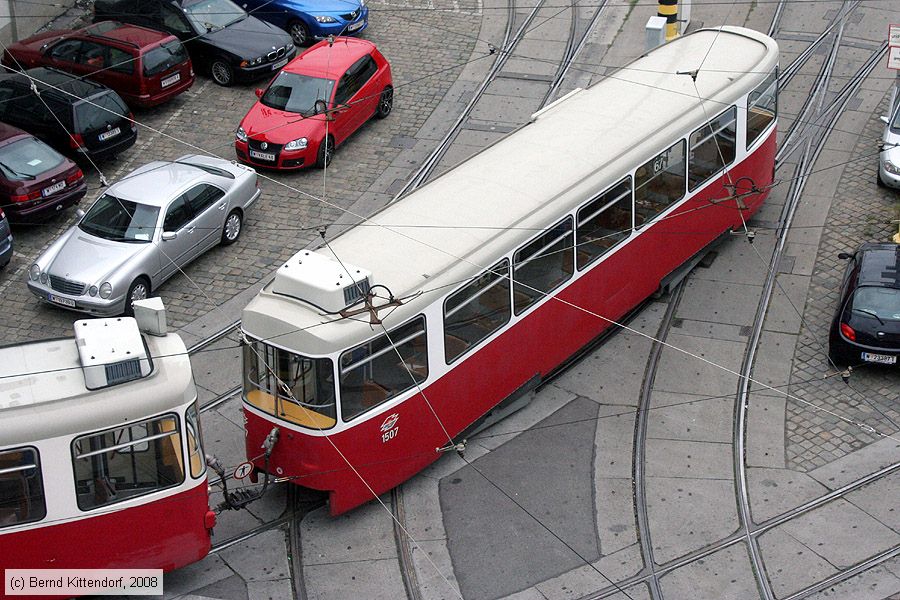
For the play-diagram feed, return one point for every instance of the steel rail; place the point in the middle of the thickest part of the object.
(640, 442)
(243, 537)
(554, 87)
(846, 574)
(776, 18)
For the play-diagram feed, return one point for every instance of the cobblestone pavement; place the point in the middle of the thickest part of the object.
(424, 65)
(860, 211)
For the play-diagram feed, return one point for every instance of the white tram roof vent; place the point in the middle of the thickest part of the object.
(322, 281)
(111, 351)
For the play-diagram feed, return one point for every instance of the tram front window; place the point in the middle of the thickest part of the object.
(762, 107)
(290, 386)
(122, 463)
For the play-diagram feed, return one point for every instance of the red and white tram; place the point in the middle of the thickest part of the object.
(506, 265)
(101, 463)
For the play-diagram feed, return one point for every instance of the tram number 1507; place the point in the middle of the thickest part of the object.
(389, 435)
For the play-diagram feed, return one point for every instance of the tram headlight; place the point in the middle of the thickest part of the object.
(106, 290)
(298, 144)
(34, 272)
(92, 290)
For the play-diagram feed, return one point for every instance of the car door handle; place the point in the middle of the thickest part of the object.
(190, 230)
(222, 206)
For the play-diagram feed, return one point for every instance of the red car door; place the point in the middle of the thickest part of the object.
(65, 56)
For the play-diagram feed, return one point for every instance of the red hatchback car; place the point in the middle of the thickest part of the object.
(317, 101)
(144, 66)
(36, 181)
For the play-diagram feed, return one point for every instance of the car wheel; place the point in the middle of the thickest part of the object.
(326, 152)
(385, 103)
(231, 231)
(221, 72)
(299, 33)
(139, 290)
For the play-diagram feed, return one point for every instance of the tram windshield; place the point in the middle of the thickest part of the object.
(290, 386)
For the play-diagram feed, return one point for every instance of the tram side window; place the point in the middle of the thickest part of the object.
(542, 265)
(762, 107)
(658, 184)
(21, 488)
(712, 148)
(195, 443)
(126, 462)
(294, 387)
(382, 368)
(603, 223)
(476, 311)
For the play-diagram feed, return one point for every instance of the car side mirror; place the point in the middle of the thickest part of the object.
(845, 256)
(884, 119)
(260, 92)
(320, 107)
(79, 213)
(168, 236)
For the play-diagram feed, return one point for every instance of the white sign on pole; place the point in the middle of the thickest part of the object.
(894, 35)
(894, 57)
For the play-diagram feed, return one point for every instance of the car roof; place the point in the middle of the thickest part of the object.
(47, 80)
(879, 264)
(325, 60)
(164, 178)
(130, 35)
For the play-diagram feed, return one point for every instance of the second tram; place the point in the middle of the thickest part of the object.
(374, 352)
(101, 462)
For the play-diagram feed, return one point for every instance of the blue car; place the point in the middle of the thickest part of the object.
(311, 20)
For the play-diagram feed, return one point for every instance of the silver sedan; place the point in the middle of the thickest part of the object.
(889, 156)
(143, 230)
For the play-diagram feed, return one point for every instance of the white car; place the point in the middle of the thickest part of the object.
(889, 155)
(142, 230)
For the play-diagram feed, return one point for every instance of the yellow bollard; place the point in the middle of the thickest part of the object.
(669, 10)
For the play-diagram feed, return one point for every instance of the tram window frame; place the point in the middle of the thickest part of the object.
(103, 490)
(527, 293)
(699, 172)
(599, 207)
(194, 433)
(658, 166)
(470, 300)
(32, 504)
(368, 390)
(761, 92)
(317, 415)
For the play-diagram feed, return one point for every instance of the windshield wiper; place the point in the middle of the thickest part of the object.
(871, 313)
(16, 173)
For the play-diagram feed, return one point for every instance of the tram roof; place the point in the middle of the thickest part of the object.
(43, 392)
(465, 220)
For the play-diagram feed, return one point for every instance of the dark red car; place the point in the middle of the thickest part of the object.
(144, 66)
(36, 181)
(330, 87)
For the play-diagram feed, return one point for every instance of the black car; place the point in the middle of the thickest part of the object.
(220, 36)
(76, 116)
(866, 328)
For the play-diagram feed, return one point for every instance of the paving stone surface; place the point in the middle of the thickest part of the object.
(860, 212)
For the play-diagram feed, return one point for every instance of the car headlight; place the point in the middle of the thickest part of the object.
(298, 144)
(891, 167)
(253, 62)
(362, 3)
(34, 272)
(106, 290)
(45, 277)
(92, 290)
(325, 19)
(240, 134)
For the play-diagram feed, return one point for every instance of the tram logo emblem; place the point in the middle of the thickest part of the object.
(389, 423)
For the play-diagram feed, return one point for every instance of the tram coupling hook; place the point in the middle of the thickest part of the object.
(269, 443)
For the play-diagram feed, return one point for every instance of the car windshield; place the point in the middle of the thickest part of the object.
(120, 220)
(26, 158)
(880, 302)
(98, 111)
(163, 57)
(296, 93)
(895, 124)
(209, 15)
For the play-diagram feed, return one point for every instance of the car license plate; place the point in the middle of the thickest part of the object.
(262, 155)
(58, 300)
(109, 134)
(355, 26)
(279, 64)
(53, 188)
(884, 359)
(170, 80)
